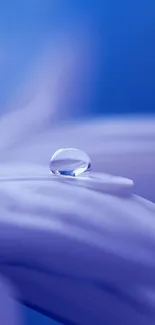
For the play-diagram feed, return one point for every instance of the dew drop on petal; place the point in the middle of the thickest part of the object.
(70, 162)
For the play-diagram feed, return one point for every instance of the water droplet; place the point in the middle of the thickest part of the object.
(70, 162)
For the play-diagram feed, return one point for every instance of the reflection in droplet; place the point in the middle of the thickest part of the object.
(70, 162)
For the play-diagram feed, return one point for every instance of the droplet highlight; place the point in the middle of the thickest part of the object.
(70, 162)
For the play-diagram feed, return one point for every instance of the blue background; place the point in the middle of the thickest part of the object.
(123, 33)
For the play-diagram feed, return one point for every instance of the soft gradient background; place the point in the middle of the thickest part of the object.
(91, 57)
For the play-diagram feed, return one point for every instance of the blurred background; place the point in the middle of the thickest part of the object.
(98, 56)
(111, 42)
